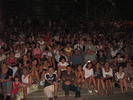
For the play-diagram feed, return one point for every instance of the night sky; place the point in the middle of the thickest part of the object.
(119, 9)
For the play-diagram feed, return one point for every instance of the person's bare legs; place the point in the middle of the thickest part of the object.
(94, 82)
(82, 82)
(110, 85)
(78, 83)
(98, 85)
(125, 85)
(56, 89)
(121, 86)
(90, 81)
(33, 74)
(59, 72)
(25, 92)
(103, 85)
(13, 96)
(107, 86)
(37, 76)
(42, 75)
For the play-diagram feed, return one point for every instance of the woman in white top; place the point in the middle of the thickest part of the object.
(62, 65)
(89, 76)
(18, 52)
(26, 81)
(120, 79)
(108, 75)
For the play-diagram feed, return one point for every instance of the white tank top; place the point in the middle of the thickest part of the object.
(25, 79)
(120, 76)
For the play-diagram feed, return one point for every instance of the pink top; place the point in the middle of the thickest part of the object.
(36, 51)
(11, 61)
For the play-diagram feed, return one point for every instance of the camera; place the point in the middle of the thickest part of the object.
(89, 61)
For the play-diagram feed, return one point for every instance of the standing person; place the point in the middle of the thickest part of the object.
(16, 87)
(121, 80)
(68, 79)
(108, 75)
(51, 84)
(6, 76)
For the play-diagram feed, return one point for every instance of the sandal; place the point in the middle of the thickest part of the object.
(56, 98)
(100, 93)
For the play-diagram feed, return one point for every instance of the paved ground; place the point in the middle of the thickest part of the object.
(96, 97)
(39, 95)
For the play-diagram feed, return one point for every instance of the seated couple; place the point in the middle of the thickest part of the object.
(51, 84)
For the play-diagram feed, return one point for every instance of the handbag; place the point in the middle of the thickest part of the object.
(33, 88)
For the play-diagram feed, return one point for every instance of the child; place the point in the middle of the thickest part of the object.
(16, 87)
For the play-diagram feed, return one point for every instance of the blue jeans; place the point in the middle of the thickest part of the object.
(71, 87)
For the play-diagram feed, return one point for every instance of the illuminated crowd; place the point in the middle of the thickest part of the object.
(53, 53)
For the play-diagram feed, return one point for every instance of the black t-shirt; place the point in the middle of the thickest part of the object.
(61, 43)
(6, 49)
(9, 73)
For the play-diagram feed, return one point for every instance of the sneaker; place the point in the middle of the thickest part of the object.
(90, 91)
(96, 90)
(100, 93)
(41, 83)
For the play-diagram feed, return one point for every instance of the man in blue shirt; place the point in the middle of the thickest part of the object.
(76, 58)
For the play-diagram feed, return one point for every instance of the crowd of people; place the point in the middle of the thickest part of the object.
(35, 51)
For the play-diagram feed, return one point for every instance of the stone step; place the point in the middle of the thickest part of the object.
(61, 93)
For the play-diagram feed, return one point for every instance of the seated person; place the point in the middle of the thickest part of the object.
(26, 80)
(89, 76)
(62, 66)
(121, 80)
(79, 73)
(108, 76)
(129, 72)
(68, 79)
(51, 84)
(6, 78)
